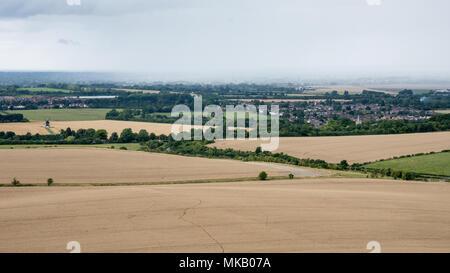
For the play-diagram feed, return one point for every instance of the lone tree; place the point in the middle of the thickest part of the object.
(49, 181)
(262, 176)
(15, 182)
(258, 150)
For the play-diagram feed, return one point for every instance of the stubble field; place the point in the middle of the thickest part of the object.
(317, 215)
(38, 127)
(67, 166)
(351, 148)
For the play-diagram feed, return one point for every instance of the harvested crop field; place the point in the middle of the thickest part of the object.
(315, 215)
(21, 128)
(351, 148)
(111, 126)
(67, 166)
(38, 127)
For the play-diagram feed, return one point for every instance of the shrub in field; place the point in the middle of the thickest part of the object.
(123, 148)
(291, 176)
(262, 176)
(49, 181)
(15, 182)
(408, 176)
(389, 172)
(397, 174)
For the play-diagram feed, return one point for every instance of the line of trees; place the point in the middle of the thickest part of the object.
(81, 136)
(12, 118)
(144, 115)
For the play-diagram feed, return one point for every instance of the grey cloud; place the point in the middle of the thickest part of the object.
(28, 8)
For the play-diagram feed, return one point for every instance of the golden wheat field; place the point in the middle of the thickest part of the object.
(308, 215)
(21, 128)
(115, 166)
(38, 127)
(351, 148)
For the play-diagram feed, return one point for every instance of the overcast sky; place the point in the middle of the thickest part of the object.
(214, 37)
